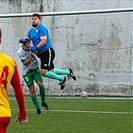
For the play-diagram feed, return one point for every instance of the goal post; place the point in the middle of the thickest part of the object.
(96, 44)
(116, 10)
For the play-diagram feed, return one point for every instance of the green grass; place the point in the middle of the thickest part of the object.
(76, 115)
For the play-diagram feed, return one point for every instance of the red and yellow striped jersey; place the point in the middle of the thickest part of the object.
(8, 69)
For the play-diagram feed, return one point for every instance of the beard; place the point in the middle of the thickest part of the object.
(34, 25)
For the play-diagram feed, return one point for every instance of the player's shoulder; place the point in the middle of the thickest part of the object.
(6, 57)
(42, 26)
(30, 30)
(20, 51)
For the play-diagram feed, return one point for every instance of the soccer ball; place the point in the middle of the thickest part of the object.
(83, 94)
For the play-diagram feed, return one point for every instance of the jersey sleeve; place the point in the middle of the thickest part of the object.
(43, 31)
(15, 82)
(28, 34)
(21, 55)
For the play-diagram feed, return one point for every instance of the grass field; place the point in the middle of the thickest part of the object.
(76, 115)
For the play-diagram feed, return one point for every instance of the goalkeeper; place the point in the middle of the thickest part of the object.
(39, 35)
(31, 73)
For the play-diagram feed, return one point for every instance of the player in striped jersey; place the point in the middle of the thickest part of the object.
(9, 75)
(31, 73)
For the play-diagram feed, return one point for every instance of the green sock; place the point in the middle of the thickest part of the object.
(35, 102)
(52, 75)
(61, 72)
(42, 94)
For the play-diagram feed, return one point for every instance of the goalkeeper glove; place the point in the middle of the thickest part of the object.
(33, 48)
(22, 40)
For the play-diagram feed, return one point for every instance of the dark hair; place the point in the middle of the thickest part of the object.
(27, 40)
(36, 15)
(0, 34)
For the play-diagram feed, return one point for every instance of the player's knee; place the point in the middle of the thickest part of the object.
(40, 84)
(43, 72)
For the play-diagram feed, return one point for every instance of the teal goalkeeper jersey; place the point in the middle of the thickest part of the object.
(24, 55)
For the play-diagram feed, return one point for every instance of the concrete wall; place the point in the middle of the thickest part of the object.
(97, 47)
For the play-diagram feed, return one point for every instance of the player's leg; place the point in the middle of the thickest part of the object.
(69, 73)
(50, 74)
(4, 122)
(33, 97)
(38, 79)
(61, 72)
(28, 78)
(49, 57)
(47, 67)
(58, 71)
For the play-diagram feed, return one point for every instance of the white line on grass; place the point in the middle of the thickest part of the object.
(78, 98)
(80, 111)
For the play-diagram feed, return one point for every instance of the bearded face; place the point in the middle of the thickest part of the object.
(35, 21)
(34, 25)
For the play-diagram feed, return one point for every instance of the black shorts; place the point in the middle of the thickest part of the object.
(47, 58)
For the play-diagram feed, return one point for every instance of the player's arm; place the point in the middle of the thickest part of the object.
(26, 62)
(15, 82)
(42, 42)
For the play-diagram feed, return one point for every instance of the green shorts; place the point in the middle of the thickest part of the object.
(31, 76)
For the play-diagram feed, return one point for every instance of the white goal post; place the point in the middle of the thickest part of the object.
(69, 12)
(96, 44)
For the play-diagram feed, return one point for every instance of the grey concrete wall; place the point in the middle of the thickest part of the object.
(97, 47)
